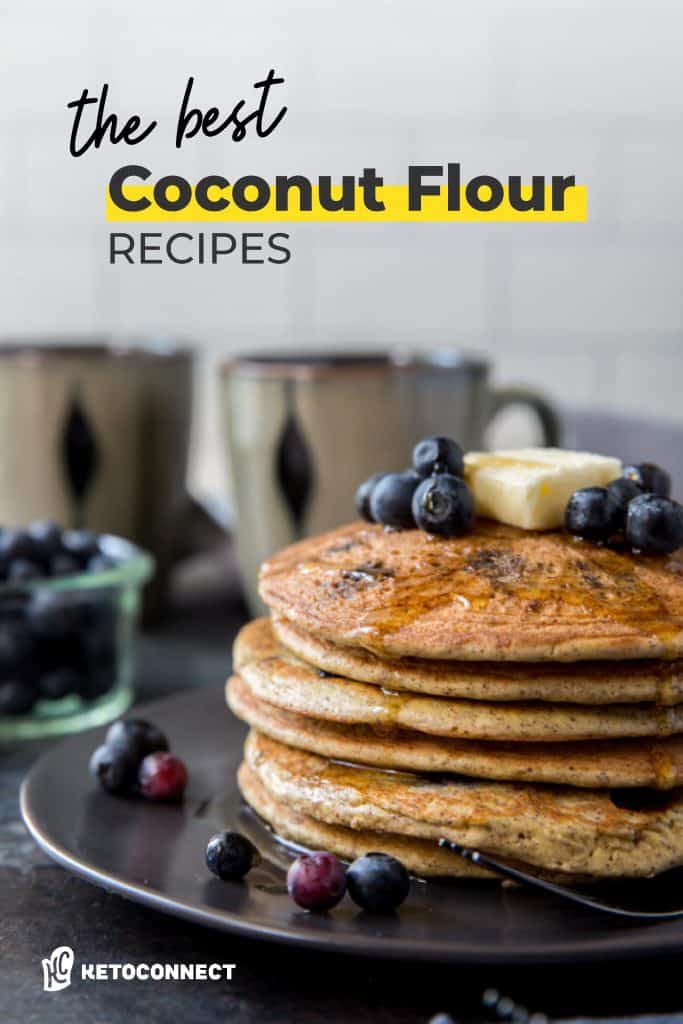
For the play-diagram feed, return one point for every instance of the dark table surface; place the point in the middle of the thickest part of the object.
(42, 907)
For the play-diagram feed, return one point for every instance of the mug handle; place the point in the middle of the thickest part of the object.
(548, 417)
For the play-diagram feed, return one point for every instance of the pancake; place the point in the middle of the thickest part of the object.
(611, 765)
(588, 682)
(555, 829)
(418, 855)
(497, 594)
(278, 677)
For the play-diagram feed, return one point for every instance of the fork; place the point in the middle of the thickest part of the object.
(572, 895)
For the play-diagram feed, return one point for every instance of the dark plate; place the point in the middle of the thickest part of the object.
(155, 854)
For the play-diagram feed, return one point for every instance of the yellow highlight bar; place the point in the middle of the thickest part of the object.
(395, 199)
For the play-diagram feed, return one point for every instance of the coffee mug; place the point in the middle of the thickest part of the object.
(97, 436)
(303, 431)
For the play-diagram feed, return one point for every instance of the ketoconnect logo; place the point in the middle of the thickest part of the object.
(57, 970)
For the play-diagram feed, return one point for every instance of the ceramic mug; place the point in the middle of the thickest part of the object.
(303, 431)
(97, 436)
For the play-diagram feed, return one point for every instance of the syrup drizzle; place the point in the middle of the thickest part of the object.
(496, 573)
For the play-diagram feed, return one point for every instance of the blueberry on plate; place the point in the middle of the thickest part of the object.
(230, 856)
(114, 769)
(438, 455)
(443, 505)
(593, 514)
(363, 495)
(316, 881)
(377, 882)
(650, 478)
(161, 776)
(136, 736)
(654, 524)
(391, 498)
(16, 697)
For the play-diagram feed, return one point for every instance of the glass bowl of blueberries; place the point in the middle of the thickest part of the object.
(69, 603)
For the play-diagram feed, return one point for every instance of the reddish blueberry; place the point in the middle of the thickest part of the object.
(162, 777)
(316, 881)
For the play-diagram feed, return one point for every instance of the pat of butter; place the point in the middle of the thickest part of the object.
(530, 487)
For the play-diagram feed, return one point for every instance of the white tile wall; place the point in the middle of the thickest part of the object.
(591, 313)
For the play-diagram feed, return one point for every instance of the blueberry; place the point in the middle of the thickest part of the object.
(99, 613)
(593, 514)
(443, 505)
(16, 697)
(63, 565)
(22, 570)
(377, 882)
(230, 856)
(114, 769)
(441, 1018)
(81, 544)
(54, 653)
(136, 736)
(505, 1008)
(624, 490)
(363, 495)
(654, 524)
(161, 776)
(16, 644)
(46, 537)
(58, 683)
(99, 632)
(650, 478)
(16, 544)
(54, 615)
(316, 881)
(390, 502)
(438, 455)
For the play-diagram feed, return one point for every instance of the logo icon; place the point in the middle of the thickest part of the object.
(57, 969)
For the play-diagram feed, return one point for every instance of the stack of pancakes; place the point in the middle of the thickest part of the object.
(517, 692)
